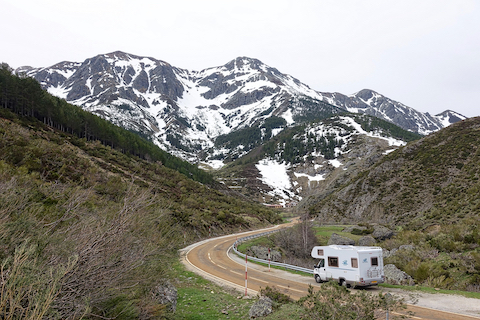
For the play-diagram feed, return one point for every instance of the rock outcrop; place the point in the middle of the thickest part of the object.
(263, 307)
(393, 275)
(338, 239)
(262, 253)
(166, 294)
(367, 241)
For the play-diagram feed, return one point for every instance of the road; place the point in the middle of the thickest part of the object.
(212, 259)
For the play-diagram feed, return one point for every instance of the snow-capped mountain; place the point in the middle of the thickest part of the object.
(370, 102)
(180, 109)
(185, 111)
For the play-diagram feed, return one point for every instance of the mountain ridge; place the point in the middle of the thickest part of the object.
(185, 111)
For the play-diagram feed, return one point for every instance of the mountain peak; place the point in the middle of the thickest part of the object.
(245, 63)
(366, 94)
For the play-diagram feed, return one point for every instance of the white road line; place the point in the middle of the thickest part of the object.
(257, 279)
(240, 274)
(215, 278)
(209, 258)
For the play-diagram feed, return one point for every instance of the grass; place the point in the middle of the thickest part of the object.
(200, 299)
(260, 241)
(324, 233)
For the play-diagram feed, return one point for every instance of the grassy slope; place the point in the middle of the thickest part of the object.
(98, 227)
(433, 180)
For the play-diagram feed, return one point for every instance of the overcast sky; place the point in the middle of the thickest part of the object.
(423, 53)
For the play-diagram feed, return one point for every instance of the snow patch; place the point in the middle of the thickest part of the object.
(318, 177)
(288, 116)
(274, 174)
(335, 163)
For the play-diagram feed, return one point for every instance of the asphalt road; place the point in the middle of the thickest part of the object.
(213, 260)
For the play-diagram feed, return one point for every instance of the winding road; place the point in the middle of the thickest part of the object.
(213, 260)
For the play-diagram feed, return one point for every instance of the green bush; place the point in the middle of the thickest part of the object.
(276, 296)
(332, 301)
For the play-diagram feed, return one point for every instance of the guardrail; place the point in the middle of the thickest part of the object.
(273, 263)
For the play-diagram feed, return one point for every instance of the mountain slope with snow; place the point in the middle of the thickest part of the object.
(312, 158)
(185, 111)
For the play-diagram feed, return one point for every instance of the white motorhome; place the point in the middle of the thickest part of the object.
(351, 266)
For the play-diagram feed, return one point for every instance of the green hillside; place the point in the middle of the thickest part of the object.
(25, 97)
(429, 181)
(88, 226)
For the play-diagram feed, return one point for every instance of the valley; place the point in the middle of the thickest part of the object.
(99, 210)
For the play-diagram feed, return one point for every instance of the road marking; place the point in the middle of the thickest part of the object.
(240, 274)
(258, 279)
(288, 288)
(215, 262)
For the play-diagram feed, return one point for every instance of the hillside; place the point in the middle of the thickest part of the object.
(429, 181)
(313, 158)
(88, 229)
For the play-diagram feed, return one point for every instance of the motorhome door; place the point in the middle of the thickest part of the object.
(321, 269)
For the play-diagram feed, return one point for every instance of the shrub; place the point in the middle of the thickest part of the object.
(336, 302)
(276, 296)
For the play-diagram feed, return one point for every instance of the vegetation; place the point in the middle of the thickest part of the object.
(443, 256)
(336, 302)
(250, 137)
(201, 299)
(429, 181)
(88, 229)
(323, 233)
(25, 97)
(298, 144)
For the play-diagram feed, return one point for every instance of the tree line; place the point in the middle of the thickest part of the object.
(25, 97)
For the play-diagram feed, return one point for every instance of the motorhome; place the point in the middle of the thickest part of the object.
(351, 266)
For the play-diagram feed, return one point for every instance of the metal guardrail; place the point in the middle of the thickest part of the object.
(273, 263)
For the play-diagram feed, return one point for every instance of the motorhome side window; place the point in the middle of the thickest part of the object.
(354, 263)
(374, 261)
(320, 252)
(333, 261)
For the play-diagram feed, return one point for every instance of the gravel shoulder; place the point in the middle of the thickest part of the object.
(439, 301)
